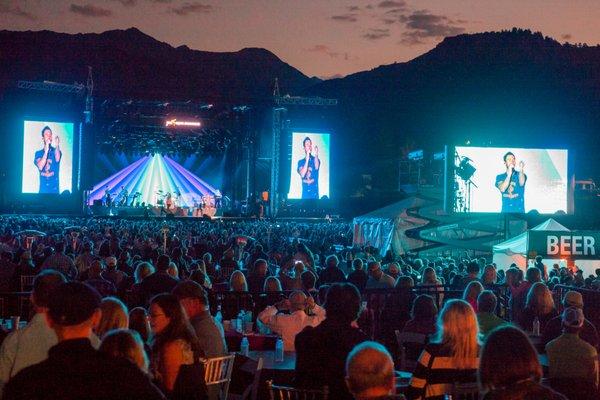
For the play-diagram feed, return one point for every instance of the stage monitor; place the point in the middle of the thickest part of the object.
(310, 166)
(47, 157)
(509, 180)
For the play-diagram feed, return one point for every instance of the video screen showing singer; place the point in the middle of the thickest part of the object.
(308, 169)
(47, 160)
(512, 185)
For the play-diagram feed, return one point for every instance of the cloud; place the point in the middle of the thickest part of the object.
(321, 48)
(127, 3)
(16, 11)
(334, 76)
(388, 21)
(192, 8)
(350, 17)
(392, 4)
(376, 34)
(422, 25)
(566, 36)
(89, 10)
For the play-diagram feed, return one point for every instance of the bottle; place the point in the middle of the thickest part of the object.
(536, 326)
(240, 321)
(279, 349)
(244, 346)
(219, 315)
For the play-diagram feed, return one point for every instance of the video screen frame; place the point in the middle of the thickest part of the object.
(459, 191)
(35, 133)
(317, 145)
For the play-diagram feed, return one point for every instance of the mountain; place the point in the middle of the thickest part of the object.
(129, 63)
(511, 88)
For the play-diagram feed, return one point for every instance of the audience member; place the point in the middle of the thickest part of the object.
(158, 282)
(471, 293)
(74, 369)
(540, 305)
(114, 316)
(358, 277)
(331, 273)
(377, 278)
(61, 262)
(486, 312)
(126, 344)
(370, 372)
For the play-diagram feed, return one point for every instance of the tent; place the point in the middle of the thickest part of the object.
(514, 250)
(386, 227)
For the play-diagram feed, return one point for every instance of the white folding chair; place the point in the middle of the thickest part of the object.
(217, 372)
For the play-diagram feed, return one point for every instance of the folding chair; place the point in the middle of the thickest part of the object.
(290, 393)
(217, 372)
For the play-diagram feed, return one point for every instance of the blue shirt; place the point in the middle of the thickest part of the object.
(513, 197)
(310, 181)
(50, 171)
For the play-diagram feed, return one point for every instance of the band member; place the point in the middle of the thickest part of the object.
(107, 197)
(512, 185)
(169, 202)
(47, 160)
(308, 169)
(123, 195)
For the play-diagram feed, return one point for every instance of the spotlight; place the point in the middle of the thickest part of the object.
(465, 169)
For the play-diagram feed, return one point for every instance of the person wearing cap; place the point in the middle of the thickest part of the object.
(194, 300)
(61, 262)
(289, 325)
(568, 355)
(553, 328)
(370, 372)
(112, 274)
(74, 369)
(30, 345)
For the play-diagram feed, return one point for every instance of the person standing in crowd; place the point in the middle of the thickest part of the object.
(95, 280)
(74, 369)
(330, 342)
(486, 312)
(377, 278)
(194, 300)
(358, 277)
(289, 325)
(370, 372)
(452, 357)
(472, 291)
(331, 273)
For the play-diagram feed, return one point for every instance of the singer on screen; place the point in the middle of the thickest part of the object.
(512, 185)
(47, 160)
(308, 169)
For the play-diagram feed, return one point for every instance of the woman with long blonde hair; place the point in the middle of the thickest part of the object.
(539, 304)
(238, 298)
(453, 357)
(472, 292)
(114, 316)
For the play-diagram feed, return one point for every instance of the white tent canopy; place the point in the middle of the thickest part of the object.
(385, 228)
(514, 250)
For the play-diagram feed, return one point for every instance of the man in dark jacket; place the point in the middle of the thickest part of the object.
(74, 369)
(329, 343)
(332, 273)
(158, 282)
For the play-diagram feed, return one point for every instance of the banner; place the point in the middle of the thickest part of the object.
(580, 245)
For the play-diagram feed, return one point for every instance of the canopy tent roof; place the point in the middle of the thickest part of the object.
(518, 244)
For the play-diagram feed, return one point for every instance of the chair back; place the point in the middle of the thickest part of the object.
(27, 283)
(402, 338)
(217, 372)
(465, 391)
(290, 393)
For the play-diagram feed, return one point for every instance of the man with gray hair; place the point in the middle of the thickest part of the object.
(289, 325)
(370, 372)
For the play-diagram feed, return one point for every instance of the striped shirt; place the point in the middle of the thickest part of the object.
(436, 373)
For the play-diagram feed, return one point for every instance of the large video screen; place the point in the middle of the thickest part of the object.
(510, 180)
(309, 175)
(47, 157)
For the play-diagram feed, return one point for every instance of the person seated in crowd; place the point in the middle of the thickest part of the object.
(570, 357)
(377, 278)
(95, 280)
(540, 305)
(396, 310)
(370, 372)
(30, 345)
(554, 327)
(174, 344)
(358, 277)
(227, 265)
(393, 270)
(509, 368)
(61, 262)
(257, 275)
(460, 282)
(114, 316)
(127, 344)
(330, 342)
(292, 279)
(471, 293)
(423, 315)
(432, 283)
(303, 312)
(84, 260)
(486, 312)
(331, 273)
(309, 281)
(452, 357)
(159, 282)
(74, 369)
(112, 274)
(238, 297)
(194, 300)
(139, 322)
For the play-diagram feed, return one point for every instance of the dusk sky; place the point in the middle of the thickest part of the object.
(322, 38)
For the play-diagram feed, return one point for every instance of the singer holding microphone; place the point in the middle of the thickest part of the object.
(47, 160)
(512, 185)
